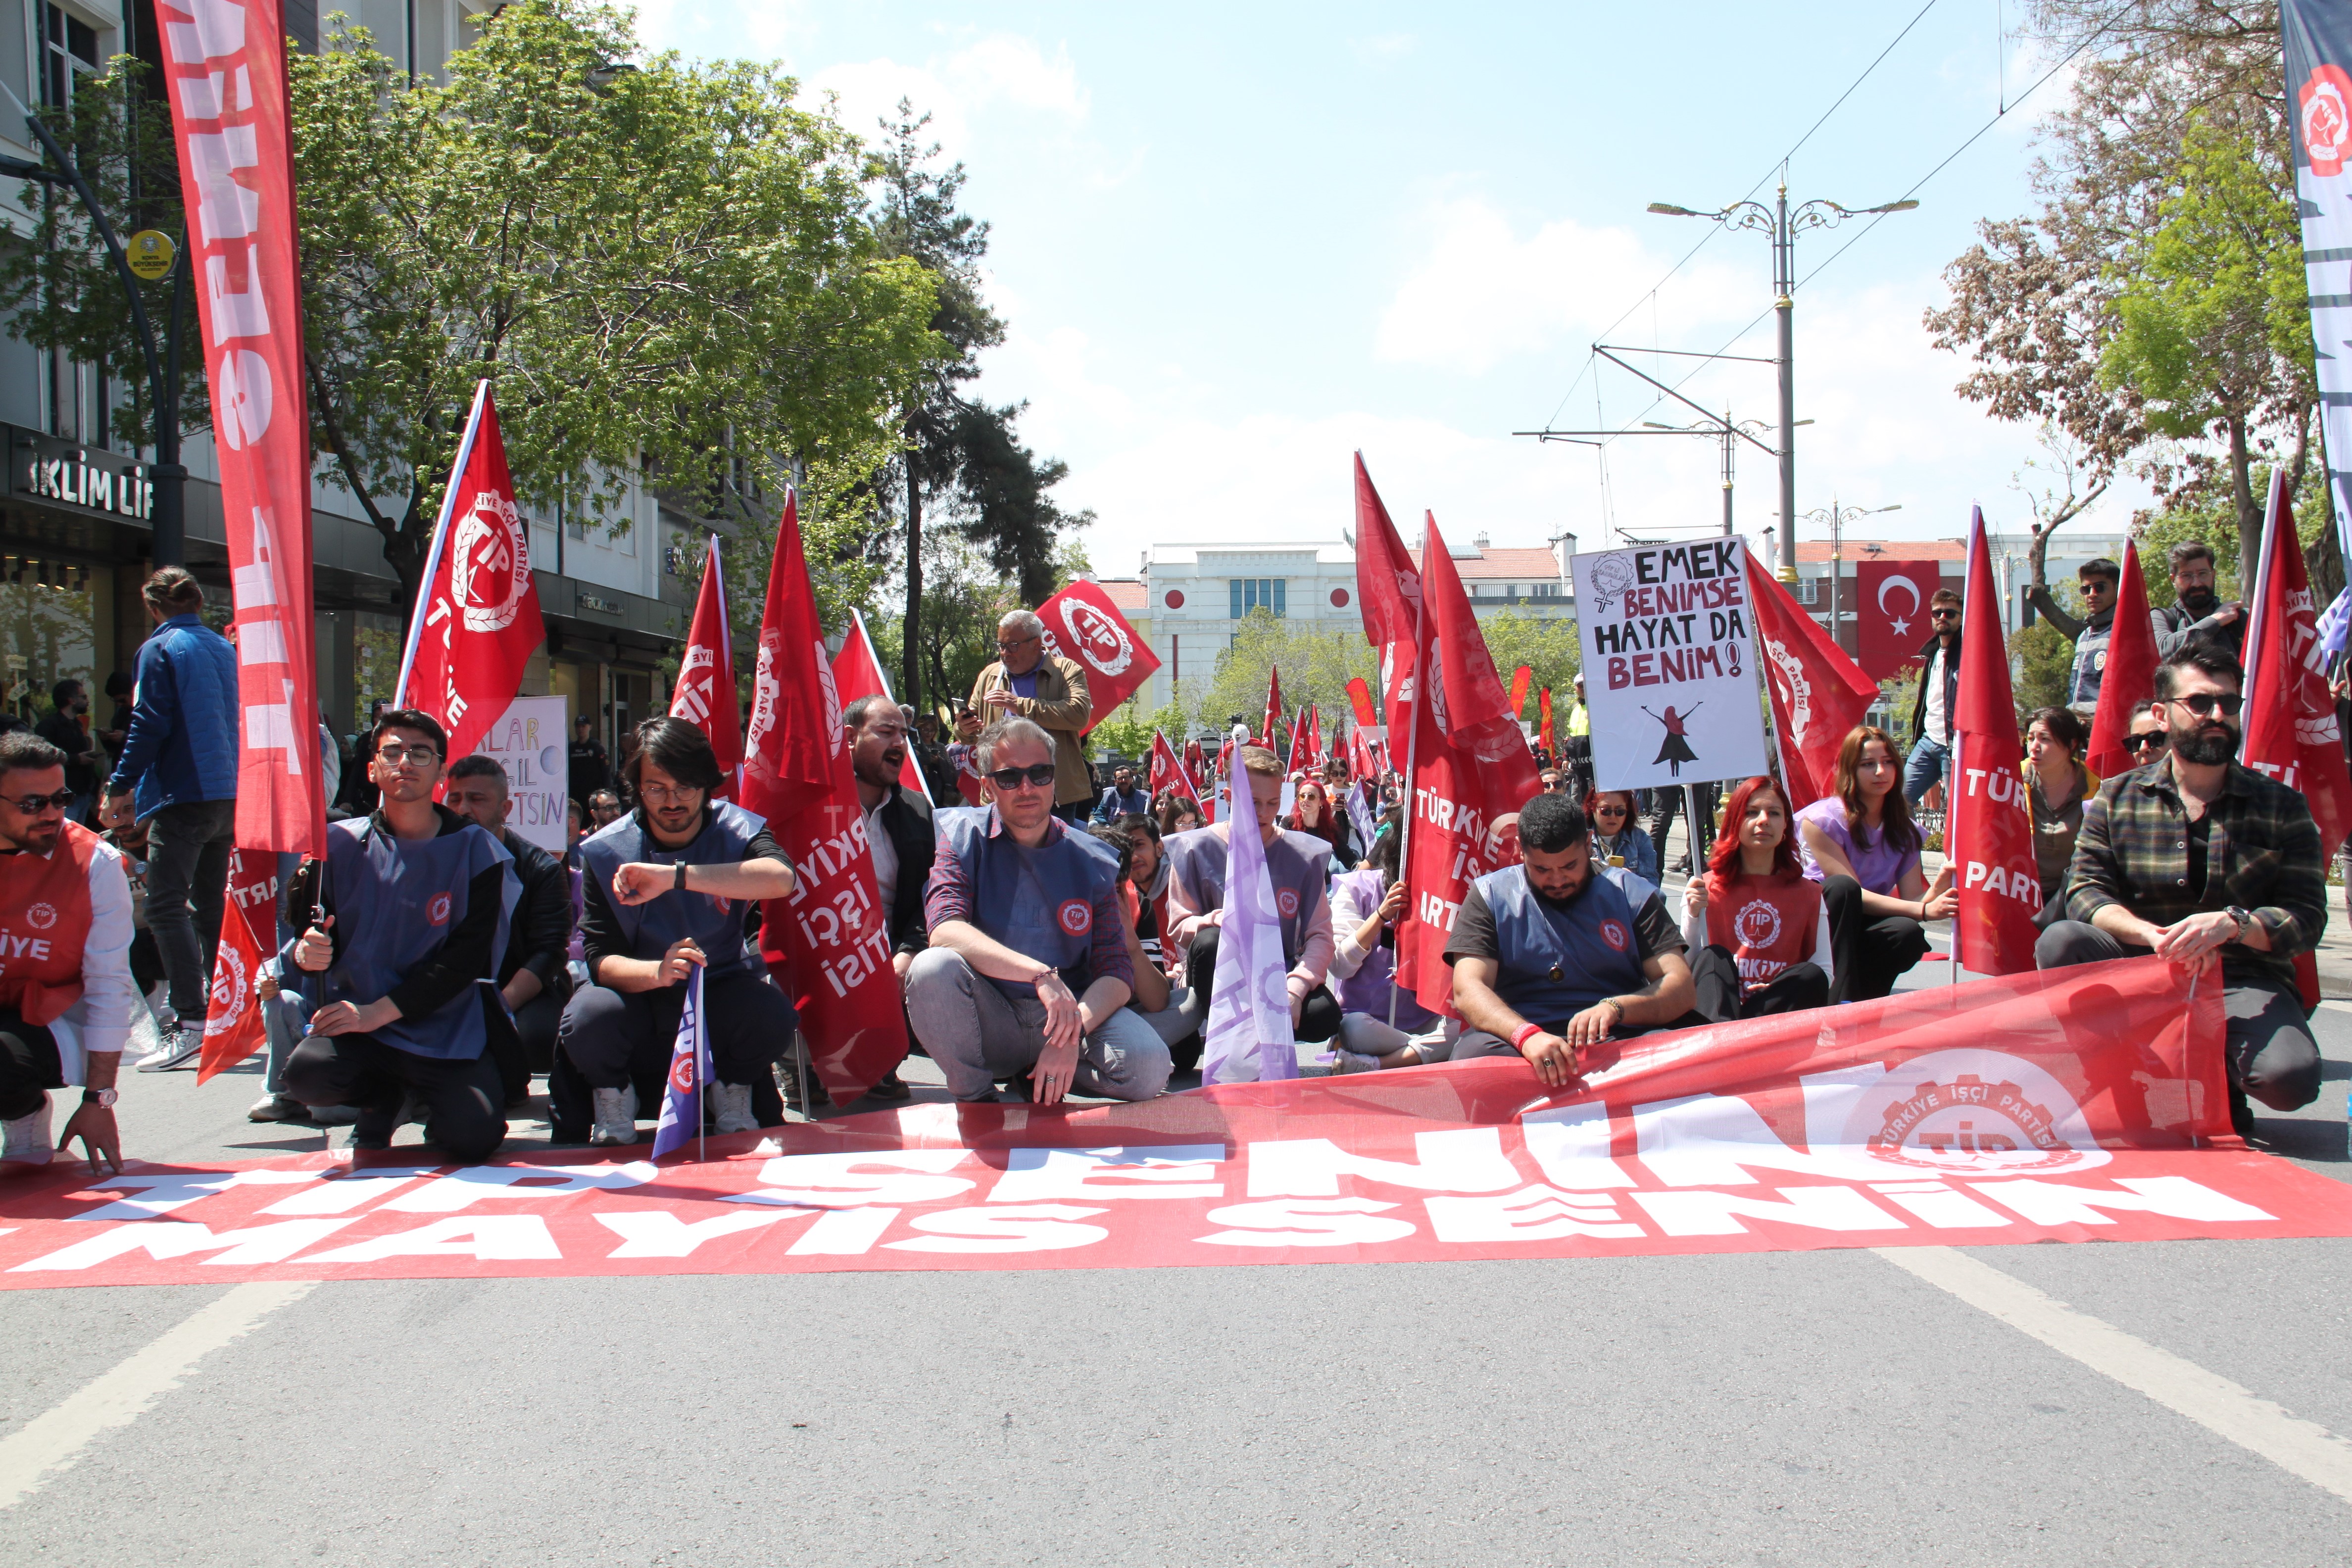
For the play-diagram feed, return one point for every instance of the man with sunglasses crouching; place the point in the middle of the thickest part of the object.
(1027, 975)
(66, 991)
(2198, 859)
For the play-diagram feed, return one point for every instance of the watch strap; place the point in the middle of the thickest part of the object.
(677, 882)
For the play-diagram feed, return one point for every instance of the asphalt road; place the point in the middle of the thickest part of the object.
(1816, 1407)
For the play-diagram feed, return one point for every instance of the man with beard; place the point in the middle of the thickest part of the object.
(2198, 610)
(899, 833)
(533, 981)
(1552, 957)
(2197, 859)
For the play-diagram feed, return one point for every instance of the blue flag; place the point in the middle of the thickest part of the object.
(690, 1069)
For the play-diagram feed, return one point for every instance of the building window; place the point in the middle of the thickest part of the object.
(1546, 590)
(1249, 594)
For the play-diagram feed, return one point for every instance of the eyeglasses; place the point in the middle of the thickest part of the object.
(664, 793)
(1004, 646)
(34, 804)
(396, 755)
(2202, 703)
(2147, 740)
(1943, 615)
(1036, 777)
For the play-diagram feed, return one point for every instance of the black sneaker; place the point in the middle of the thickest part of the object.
(890, 1087)
(2242, 1114)
(375, 1128)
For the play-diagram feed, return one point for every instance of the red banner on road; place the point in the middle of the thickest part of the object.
(1890, 612)
(2077, 1105)
(225, 70)
(1081, 623)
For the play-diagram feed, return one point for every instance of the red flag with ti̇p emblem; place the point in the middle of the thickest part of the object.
(1168, 773)
(1992, 841)
(1388, 591)
(704, 696)
(233, 1026)
(1818, 693)
(1081, 623)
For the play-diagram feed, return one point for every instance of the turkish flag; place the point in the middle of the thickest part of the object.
(1168, 771)
(1890, 612)
(2290, 726)
(826, 945)
(1818, 694)
(1544, 707)
(1471, 771)
(1388, 591)
(476, 621)
(1081, 623)
(233, 1028)
(2129, 678)
(705, 694)
(858, 672)
(1991, 842)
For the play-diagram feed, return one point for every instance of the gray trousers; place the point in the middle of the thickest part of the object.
(978, 1035)
(2269, 1048)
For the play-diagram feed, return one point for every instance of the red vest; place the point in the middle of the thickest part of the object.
(1768, 923)
(45, 926)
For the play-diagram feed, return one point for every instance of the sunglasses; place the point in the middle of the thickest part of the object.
(1036, 777)
(34, 804)
(2148, 741)
(1943, 615)
(2202, 703)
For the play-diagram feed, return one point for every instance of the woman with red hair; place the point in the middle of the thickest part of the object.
(1758, 931)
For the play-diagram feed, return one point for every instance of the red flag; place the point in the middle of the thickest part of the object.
(225, 70)
(1273, 704)
(232, 1028)
(826, 945)
(704, 696)
(1315, 730)
(1818, 694)
(1388, 591)
(1544, 708)
(1081, 623)
(476, 621)
(1990, 841)
(1360, 697)
(1520, 680)
(858, 672)
(1471, 772)
(1890, 612)
(1168, 773)
(2129, 678)
(1302, 744)
(2290, 730)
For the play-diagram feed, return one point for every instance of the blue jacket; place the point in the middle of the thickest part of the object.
(182, 743)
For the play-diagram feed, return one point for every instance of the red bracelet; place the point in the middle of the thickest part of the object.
(1523, 1034)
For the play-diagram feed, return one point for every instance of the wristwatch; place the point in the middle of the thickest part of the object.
(102, 1098)
(2245, 919)
(677, 883)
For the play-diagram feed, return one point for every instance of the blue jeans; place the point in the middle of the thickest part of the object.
(1930, 764)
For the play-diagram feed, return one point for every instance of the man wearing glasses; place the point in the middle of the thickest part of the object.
(66, 991)
(1047, 690)
(1027, 975)
(668, 889)
(404, 923)
(2198, 859)
(1933, 715)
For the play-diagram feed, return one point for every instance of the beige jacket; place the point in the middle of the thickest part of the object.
(1062, 706)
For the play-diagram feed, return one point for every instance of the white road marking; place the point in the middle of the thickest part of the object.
(51, 1442)
(2302, 1447)
(2333, 1006)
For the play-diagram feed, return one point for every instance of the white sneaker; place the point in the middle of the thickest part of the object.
(181, 1046)
(26, 1141)
(278, 1108)
(731, 1105)
(617, 1117)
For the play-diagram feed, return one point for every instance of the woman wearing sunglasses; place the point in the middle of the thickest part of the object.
(1616, 841)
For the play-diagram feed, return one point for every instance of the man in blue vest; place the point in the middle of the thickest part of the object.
(1554, 955)
(399, 954)
(1027, 975)
(667, 890)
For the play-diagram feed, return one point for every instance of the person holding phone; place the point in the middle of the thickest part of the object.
(1050, 691)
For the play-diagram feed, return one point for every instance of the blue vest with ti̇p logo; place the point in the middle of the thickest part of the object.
(1297, 864)
(1039, 902)
(395, 900)
(716, 925)
(1556, 959)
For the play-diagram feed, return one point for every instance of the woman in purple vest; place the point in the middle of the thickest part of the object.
(1861, 845)
(1365, 907)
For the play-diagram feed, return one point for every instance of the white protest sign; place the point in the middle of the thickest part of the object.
(528, 740)
(1670, 672)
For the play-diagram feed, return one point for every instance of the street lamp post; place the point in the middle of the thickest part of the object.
(1784, 224)
(1837, 517)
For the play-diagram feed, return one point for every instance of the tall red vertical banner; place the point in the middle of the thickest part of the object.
(1818, 694)
(225, 70)
(825, 945)
(2291, 734)
(1388, 591)
(1991, 832)
(705, 694)
(1544, 736)
(2129, 678)
(1520, 679)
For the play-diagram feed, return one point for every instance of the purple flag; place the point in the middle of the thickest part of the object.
(690, 1069)
(1248, 1034)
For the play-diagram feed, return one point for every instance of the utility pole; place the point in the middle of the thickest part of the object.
(1783, 224)
(1837, 517)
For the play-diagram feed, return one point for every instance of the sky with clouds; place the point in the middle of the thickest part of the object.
(1234, 244)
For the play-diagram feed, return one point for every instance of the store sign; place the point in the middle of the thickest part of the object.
(62, 473)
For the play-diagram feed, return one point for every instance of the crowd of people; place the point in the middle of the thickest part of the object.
(1060, 935)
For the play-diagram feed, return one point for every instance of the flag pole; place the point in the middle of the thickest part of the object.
(1411, 755)
(440, 538)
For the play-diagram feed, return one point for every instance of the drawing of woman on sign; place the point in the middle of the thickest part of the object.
(1674, 750)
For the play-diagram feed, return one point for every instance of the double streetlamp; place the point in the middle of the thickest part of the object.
(1836, 517)
(1784, 224)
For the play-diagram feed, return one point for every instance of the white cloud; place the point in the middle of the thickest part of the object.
(994, 73)
(1484, 294)
(710, 29)
(1382, 47)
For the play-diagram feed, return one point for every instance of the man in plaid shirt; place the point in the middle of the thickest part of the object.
(2199, 859)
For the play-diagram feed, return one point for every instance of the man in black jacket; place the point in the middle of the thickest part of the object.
(532, 976)
(899, 828)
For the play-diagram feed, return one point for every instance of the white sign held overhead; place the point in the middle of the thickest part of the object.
(1669, 666)
(529, 741)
